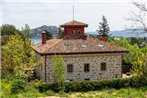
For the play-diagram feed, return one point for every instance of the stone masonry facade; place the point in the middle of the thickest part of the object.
(113, 63)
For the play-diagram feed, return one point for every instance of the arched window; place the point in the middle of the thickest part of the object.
(79, 32)
(73, 32)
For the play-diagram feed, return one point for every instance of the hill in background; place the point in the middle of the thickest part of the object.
(36, 32)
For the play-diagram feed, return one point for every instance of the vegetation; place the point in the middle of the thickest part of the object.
(18, 57)
(48, 35)
(25, 32)
(6, 31)
(131, 87)
(80, 86)
(138, 19)
(60, 33)
(103, 28)
(135, 57)
(58, 73)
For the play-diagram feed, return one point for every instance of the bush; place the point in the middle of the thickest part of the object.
(50, 93)
(82, 86)
(40, 85)
(78, 86)
(18, 85)
(5, 91)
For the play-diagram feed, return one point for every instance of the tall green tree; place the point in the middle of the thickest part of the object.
(18, 58)
(26, 32)
(58, 72)
(103, 27)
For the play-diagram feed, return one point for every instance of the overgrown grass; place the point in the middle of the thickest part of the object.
(112, 93)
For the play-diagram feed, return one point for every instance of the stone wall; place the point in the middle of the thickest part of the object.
(113, 66)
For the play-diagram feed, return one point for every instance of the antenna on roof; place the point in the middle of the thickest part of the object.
(73, 12)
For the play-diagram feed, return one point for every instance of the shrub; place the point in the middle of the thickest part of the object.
(36, 83)
(5, 91)
(18, 85)
(50, 93)
(78, 86)
(84, 85)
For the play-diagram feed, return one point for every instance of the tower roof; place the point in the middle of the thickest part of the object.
(74, 24)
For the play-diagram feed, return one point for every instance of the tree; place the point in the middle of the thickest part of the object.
(135, 57)
(26, 32)
(138, 19)
(18, 58)
(145, 67)
(6, 31)
(103, 28)
(60, 33)
(58, 72)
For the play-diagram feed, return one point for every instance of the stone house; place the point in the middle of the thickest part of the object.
(85, 57)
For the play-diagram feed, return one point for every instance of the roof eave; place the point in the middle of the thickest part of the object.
(73, 25)
(72, 53)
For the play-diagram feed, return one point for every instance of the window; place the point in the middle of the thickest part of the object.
(103, 66)
(69, 80)
(67, 45)
(73, 32)
(83, 46)
(87, 79)
(69, 68)
(78, 32)
(86, 67)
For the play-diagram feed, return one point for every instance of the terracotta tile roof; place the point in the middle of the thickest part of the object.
(77, 46)
(74, 23)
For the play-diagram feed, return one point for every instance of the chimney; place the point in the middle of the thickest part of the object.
(104, 38)
(43, 37)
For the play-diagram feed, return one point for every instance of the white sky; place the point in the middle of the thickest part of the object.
(56, 12)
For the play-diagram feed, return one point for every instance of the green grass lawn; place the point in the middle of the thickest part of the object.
(112, 93)
(105, 93)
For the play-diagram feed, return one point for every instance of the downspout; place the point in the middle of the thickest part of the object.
(122, 65)
(45, 68)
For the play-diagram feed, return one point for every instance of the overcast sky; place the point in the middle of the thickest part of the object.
(44, 12)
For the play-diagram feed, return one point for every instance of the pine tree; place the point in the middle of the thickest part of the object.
(103, 28)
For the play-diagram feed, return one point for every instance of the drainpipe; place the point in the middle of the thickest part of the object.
(121, 66)
(45, 68)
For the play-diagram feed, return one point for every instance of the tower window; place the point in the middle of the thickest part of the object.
(73, 32)
(69, 68)
(79, 32)
(103, 66)
(86, 67)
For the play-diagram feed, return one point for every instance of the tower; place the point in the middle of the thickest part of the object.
(74, 29)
